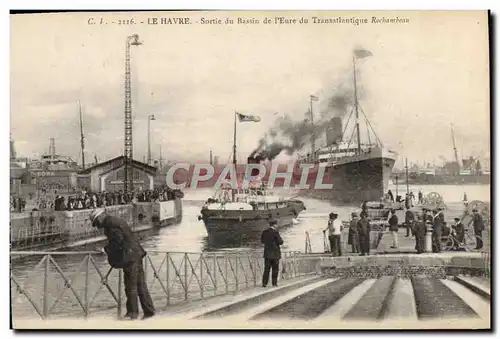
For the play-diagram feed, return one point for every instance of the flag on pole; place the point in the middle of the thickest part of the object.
(362, 53)
(247, 118)
(314, 98)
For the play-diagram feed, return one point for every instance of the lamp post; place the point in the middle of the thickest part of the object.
(151, 117)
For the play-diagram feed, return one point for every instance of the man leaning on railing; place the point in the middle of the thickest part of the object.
(125, 252)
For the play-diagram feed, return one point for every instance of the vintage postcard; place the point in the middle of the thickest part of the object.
(250, 170)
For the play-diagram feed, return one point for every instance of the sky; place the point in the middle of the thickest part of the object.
(423, 77)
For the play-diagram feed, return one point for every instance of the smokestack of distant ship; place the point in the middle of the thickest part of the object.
(52, 148)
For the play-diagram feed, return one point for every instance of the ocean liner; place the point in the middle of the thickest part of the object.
(358, 171)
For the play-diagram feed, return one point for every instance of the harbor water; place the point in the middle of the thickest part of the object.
(191, 236)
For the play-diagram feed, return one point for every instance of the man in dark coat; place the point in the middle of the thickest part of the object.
(420, 231)
(125, 252)
(459, 229)
(364, 234)
(409, 221)
(478, 223)
(437, 230)
(272, 253)
(353, 233)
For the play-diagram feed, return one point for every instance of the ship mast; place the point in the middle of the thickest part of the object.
(356, 104)
(313, 136)
(406, 170)
(455, 148)
(161, 159)
(234, 141)
(234, 156)
(82, 138)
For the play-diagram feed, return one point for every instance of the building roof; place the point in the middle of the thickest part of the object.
(120, 160)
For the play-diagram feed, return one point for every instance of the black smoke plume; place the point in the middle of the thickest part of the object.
(289, 136)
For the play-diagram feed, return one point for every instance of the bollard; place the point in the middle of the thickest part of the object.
(428, 240)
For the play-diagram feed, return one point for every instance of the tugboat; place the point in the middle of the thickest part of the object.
(245, 217)
(236, 215)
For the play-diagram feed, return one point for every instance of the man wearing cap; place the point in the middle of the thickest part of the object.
(125, 252)
(272, 253)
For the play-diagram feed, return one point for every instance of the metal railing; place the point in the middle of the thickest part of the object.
(79, 283)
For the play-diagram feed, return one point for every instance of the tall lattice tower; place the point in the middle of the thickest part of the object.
(132, 40)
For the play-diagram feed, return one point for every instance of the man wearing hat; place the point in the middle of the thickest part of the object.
(272, 253)
(125, 252)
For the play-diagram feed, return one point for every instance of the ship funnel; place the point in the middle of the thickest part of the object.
(252, 160)
(334, 131)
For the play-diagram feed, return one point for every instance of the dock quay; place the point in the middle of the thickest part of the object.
(56, 230)
(198, 288)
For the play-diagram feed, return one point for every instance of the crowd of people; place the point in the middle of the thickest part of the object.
(55, 200)
(409, 200)
(17, 204)
(416, 224)
(89, 200)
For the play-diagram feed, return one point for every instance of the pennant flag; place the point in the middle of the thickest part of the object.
(314, 98)
(362, 53)
(246, 118)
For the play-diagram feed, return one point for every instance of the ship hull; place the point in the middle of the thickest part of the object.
(355, 181)
(232, 227)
